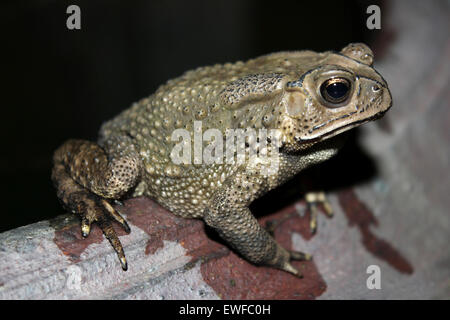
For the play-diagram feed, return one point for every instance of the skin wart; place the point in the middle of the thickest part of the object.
(309, 97)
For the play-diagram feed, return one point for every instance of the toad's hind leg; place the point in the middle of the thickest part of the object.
(86, 180)
(229, 215)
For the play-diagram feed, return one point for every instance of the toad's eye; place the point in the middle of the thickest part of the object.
(335, 90)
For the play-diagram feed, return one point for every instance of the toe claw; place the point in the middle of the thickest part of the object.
(291, 269)
(312, 208)
(113, 212)
(328, 209)
(85, 227)
(113, 239)
(297, 255)
(123, 263)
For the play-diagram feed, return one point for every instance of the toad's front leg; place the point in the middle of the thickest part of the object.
(230, 216)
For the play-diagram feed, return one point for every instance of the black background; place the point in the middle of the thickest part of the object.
(59, 84)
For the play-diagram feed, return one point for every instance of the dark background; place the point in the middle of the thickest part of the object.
(59, 84)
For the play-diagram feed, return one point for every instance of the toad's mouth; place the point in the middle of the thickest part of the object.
(336, 131)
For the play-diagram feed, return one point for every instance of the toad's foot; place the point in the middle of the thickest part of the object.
(92, 208)
(285, 264)
(313, 201)
(101, 212)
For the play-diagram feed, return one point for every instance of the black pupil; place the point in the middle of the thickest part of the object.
(337, 90)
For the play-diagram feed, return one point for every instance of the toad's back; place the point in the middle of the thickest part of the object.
(225, 96)
(221, 96)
